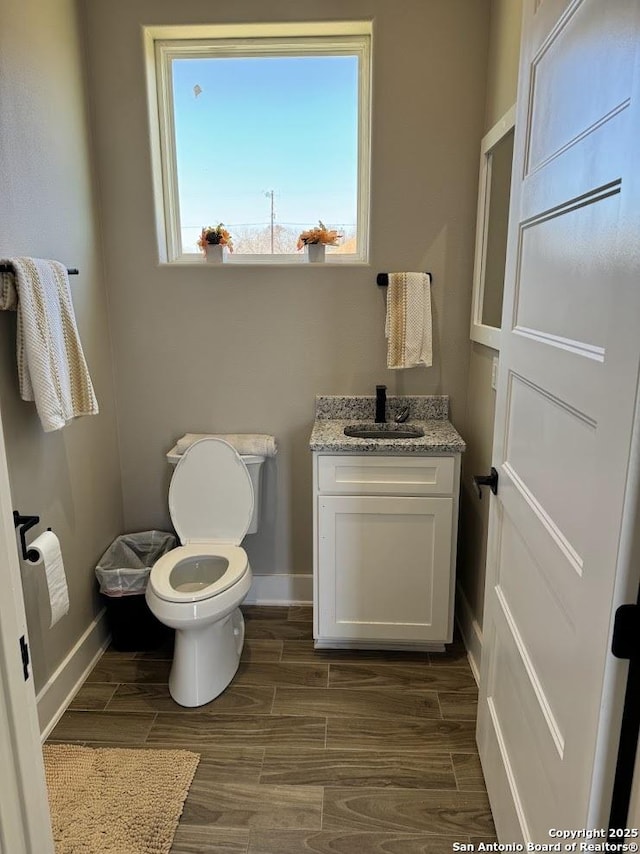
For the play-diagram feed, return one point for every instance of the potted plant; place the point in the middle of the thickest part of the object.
(212, 240)
(316, 239)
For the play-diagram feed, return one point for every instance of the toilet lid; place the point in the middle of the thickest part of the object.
(211, 495)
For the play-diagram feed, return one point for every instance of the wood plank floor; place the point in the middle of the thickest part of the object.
(330, 752)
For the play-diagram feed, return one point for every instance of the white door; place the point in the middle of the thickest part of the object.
(385, 568)
(560, 531)
(24, 809)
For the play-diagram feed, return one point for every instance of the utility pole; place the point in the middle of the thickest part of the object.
(270, 194)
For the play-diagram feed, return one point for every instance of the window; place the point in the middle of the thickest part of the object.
(264, 128)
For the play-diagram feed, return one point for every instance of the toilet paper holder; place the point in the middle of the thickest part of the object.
(25, 523)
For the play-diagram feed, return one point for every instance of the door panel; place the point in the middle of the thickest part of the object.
(565, 416)
(563, 108)
(516, 705)
(531, 601)
(550, 454)
(550, 294)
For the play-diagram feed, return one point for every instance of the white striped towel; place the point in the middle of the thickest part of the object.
(51, 366)
(244, 443)
(408, 320)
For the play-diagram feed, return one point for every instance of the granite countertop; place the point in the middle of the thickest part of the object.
(428, 412)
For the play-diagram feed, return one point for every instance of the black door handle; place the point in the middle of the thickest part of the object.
(490, 480)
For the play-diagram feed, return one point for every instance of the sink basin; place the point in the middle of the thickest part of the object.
(383, 431)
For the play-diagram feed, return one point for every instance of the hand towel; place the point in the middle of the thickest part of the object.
(244, 443)
(8, 293)
(52, 369)
(408, 320)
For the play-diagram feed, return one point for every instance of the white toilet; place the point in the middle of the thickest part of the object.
(198, 587)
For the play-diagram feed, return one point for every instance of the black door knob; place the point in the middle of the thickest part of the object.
(490, 480)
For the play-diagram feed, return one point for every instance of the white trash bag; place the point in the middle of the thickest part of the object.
(123, 570)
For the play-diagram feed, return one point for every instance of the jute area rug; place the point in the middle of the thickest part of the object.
(113, 801)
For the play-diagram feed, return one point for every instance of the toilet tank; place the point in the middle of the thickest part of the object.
(254, 463)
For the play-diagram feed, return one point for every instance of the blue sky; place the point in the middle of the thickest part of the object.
(260, 124)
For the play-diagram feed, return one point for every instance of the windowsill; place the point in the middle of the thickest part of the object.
(292, 264)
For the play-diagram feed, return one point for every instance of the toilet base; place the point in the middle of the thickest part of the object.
(205, 660)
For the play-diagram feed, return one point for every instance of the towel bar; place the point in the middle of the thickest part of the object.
(7, 268)
(382, 279)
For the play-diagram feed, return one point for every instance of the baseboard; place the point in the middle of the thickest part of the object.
(282, 589)
(62, 686)
(471, 632)
(400, 646)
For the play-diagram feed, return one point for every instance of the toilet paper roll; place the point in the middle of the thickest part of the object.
(47, 546)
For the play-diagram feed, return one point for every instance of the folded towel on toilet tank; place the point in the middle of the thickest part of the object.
(244, 443)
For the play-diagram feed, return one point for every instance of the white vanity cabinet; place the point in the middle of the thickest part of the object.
(385, 529)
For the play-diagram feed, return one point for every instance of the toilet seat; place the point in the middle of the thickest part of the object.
(162, 582)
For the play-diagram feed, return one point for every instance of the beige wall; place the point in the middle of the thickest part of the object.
(504, 55)
(502, 81)
(247, 349)
(70, 478)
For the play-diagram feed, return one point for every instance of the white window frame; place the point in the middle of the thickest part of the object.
(164, 44)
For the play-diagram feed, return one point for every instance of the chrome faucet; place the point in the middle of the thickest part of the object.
(381, 404)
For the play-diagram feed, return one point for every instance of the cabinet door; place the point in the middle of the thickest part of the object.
(384, 568)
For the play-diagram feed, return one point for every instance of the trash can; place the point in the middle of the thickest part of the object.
(123, 573)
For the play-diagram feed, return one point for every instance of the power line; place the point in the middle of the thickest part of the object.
(271, 193)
